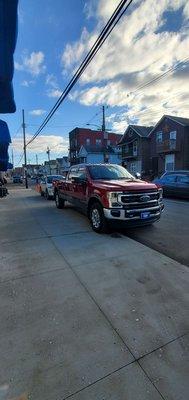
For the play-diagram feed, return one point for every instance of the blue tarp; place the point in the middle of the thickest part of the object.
(5, 140)
(8, 36)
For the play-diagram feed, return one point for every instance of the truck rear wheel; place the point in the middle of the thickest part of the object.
(59, 202)
(98, 221)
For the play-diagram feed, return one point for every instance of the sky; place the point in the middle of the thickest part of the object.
(54, 37)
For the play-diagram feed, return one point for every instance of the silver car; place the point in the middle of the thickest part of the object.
(46, 185)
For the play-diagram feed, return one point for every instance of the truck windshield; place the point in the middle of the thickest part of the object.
(109, 172)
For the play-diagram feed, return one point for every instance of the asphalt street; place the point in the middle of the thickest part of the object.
(170, 235)
(86, 316)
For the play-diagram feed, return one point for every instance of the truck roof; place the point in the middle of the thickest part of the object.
(91, 164)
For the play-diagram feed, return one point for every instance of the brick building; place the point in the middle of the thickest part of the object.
(87, 145)
(135, 146)
(169, 145)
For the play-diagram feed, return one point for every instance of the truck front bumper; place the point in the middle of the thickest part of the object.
(134, 216)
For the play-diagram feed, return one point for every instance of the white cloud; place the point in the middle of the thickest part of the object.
(139, 48)
(54, 90)
(34, 63)
(55, 93)
(56, 143)
(27, 83)
(90, 8)
(106, 8)
(51, 80)
(73, 53)
(186, 10)
(37, 112)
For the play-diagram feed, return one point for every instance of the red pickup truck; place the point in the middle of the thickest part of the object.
(109, 193)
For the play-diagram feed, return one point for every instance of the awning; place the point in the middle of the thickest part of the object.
(8, 36)
(5, 140)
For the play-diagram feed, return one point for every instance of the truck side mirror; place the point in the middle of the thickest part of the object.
(138, 175)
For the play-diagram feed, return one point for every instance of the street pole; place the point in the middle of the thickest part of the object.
(103, 120)
(12, 158)
(48, 153)
(36, 156)
(105, 134)
(25, 159)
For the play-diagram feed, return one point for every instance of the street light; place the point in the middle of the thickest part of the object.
(98, 126)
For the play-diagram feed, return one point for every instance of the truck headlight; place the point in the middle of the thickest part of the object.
(160, 190)
(113, 199)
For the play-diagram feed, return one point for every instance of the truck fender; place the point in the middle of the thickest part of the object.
(95, 198)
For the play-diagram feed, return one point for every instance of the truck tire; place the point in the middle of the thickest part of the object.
(59, 202)
(98, 221)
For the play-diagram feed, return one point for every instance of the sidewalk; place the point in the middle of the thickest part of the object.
(86, 316)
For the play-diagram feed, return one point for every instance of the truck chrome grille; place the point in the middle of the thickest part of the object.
(134, 206)
(148, 197)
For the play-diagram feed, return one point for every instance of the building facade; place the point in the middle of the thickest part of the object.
(135, 149)
(170, 145)
(90, 146)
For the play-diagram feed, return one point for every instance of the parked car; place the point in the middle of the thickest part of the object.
(46, 185)
(17, 179)
(175, 183)
(109, 193)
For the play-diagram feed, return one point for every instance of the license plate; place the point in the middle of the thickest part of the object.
(145, 215)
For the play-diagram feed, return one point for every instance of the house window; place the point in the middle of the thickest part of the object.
(159, 137)
(135, 148)
(169, 162)
(108, 142)
(88, 141)
(132, 167)
(126, 148)
(98, 142)
(173, 135)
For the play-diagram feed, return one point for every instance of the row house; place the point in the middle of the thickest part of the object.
(170, 145)
(152, 151)
(135, 146)
(63, 165)
(98, 155)
(93, 146)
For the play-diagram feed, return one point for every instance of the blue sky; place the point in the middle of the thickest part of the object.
(53, 38)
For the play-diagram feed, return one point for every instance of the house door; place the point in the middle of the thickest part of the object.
(169, 162)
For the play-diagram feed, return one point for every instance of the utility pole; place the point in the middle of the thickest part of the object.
(25, 159)
(48, 153)
(103, 120)
(105, 134)
(12, 158)
(37, 169)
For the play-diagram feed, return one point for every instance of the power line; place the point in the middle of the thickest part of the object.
(53, 126)
(112, 22)
(16, 133)
(180, 64)
(21, 157)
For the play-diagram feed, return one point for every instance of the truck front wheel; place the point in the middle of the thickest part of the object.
(59, 202)
(97, 218)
